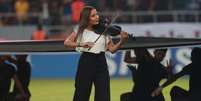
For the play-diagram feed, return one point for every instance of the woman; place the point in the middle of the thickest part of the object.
(92, 67)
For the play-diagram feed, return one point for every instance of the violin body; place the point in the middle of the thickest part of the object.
(104, 27)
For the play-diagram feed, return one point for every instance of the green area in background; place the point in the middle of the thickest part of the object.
(62, 90)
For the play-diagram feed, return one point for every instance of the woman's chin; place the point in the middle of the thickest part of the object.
(96, 23)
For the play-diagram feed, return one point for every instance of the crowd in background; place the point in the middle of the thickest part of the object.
(55, 12)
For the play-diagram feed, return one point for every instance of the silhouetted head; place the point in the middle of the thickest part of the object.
(5, 57)
(159, 54)
(196, 54)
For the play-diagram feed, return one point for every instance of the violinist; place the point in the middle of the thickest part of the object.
(92, 66)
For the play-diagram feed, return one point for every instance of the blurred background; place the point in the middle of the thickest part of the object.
(53, 74)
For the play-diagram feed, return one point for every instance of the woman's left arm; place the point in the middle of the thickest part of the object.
(114, 47)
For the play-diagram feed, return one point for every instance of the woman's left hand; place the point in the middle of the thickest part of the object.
(124, 36)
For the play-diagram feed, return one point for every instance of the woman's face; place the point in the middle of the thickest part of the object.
(93, 18)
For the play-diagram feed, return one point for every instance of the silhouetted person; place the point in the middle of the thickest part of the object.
(23, 74)
(7, 72)
(147, 76)
(39, 33)
(194, 71)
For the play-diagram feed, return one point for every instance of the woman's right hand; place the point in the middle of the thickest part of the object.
(87, 44)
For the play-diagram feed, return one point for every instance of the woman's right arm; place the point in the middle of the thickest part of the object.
(71, 40)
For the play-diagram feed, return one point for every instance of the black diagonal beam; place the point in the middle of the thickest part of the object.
(57, 45)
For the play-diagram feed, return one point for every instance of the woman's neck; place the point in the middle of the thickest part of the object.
(89, 28)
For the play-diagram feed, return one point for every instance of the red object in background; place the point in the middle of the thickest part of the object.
(76, 7)
(39, 35)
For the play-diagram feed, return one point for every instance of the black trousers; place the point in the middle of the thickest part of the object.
(92, 69)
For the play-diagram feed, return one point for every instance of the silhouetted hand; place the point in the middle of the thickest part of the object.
(132, 68)
(170, 66)
(157, 91)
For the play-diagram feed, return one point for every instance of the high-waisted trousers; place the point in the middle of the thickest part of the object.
(92, 69)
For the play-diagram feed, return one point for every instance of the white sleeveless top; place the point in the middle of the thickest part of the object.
(91, 36)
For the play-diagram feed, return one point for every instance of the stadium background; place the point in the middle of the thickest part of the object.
(53, 74)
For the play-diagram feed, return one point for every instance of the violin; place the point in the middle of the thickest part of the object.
(105, 27)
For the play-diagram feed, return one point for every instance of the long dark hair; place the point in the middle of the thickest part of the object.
(84, 19)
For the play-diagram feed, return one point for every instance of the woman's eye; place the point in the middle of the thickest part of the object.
(92, 15)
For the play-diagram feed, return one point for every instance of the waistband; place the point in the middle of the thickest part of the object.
(89, 53)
